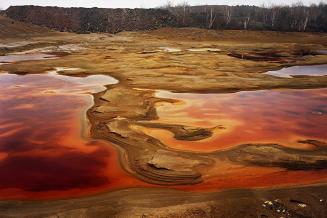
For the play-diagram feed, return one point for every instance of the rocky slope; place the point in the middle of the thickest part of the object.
(85, 20)
(297, 18)
(12, 28)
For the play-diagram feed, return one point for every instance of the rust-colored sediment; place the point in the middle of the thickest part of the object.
(44, 153)
(274, 116)
(125, 119)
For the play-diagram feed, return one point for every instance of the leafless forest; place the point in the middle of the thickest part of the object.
(296, 17)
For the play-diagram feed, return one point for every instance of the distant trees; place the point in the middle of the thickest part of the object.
(227, 15)
(212, 19)
(86, 20)
(296, 17)
(181, 11)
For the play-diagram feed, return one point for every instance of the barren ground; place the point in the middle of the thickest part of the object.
(179, 60)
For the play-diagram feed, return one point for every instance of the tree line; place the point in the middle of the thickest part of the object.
(296, 17)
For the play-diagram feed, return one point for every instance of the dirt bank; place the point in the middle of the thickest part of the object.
(286, 202)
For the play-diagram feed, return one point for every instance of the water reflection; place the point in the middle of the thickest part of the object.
(25, 57)
(43, 151)
(289, 72)
(276, 116)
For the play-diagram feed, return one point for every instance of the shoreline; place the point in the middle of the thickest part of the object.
(148, 159)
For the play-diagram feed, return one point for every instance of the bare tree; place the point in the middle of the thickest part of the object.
(306, 19)
(247, 18)
(228, 15)
(274, 13)
(246, 22)
(300, 16)
(212, 18)
(168, 5)
(185, 8)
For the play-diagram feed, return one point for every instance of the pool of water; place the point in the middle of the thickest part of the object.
(45, 148)
(46, 151)
(91, 83)
(25, 57)
(170, 49)
(269, 116)
(204, 50)
(289, 72)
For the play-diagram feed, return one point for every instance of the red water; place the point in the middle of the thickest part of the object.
(44, 151)
(275, 116)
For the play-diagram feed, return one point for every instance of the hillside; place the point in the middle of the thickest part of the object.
(84, 20)
(11, 28)
(296, 18)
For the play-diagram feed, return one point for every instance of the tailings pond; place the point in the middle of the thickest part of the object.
(45, 148)
(46, 151)
(284, 117)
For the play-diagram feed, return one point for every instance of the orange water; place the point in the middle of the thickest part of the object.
(271, 116)
(275, 116)
(45, 151)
